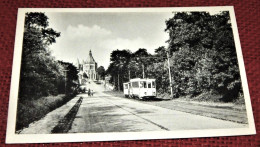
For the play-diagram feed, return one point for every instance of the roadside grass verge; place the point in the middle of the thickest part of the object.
(33, 110)
(232, 111)
(214, 100)
(205, 99)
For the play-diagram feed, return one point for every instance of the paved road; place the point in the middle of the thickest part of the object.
(105, 113)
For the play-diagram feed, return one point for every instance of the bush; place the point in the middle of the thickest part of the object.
(208, 96)
(240, 100)
(30, 111)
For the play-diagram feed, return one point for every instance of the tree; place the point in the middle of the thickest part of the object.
(203, 54)
(71, 78)
(39, 70)
(101, 72)
(133, 68)
(161, 54)
(126, 65)
(118, 67)
(141, 59)
(159, 71)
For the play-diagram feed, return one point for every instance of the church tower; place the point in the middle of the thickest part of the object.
(87, 70)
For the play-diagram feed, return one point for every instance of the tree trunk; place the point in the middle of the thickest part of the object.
(115, 81)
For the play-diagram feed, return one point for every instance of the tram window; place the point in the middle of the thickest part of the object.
(126, 86)
(149, 84)
(141, 84)
(153, 84)
(145, 84)
(135, 84)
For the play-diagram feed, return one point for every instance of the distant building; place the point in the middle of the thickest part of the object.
(87, 70)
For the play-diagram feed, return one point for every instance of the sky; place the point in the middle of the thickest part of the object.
(103, 32)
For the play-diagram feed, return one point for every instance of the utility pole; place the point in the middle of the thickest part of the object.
(129, 74)
(143, 70)
(170, 77)
(169, 69)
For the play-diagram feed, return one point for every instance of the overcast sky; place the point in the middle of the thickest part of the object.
(105, 32)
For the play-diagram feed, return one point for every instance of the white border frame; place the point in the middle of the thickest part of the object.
(11, 137)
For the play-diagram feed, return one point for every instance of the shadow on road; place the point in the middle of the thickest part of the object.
(148, 99)
(64, 124)
(151, 99)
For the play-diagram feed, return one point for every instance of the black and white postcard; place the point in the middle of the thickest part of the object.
(103, 74)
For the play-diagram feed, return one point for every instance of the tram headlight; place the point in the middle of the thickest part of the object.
(144, 93)
(154, 93)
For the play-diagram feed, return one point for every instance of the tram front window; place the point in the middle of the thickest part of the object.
(149, 85)
(153, 84)
(145, 86)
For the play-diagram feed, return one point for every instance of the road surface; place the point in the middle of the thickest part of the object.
(105, 113)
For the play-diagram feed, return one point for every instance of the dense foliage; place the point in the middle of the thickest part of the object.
(70, 77)
(202, 58)
(203, 55)
(42, 78)
(126, 65)
(41, 75)
(101, 72)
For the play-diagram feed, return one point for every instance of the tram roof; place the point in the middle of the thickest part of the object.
(139, 79)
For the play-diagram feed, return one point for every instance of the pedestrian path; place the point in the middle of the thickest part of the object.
(47, 123)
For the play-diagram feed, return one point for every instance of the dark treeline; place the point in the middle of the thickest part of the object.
(41, 75)
(202, 58)
(42, 78)
(70, 77)
(101, 72)
(125, 65)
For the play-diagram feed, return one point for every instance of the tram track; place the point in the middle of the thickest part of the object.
(158, 125)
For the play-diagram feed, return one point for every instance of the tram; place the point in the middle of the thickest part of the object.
(140, 88)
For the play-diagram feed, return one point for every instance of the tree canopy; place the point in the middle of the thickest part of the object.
(101, 72)
(202, 58)
(203, 54)
(40, 74)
